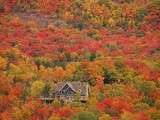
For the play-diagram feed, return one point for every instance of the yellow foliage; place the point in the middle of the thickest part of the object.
(37, 88)
(54, 118)
(88, 4)
(3, 62)
(68, 15)
(18, 114)
(105, 117)
(111, 22)
(46, 73)
(95, 68)
(70, 70)
(32, 25)
(22, 71)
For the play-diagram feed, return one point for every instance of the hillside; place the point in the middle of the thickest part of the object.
(111, 45)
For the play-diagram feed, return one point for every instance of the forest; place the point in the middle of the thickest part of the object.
(112, 45)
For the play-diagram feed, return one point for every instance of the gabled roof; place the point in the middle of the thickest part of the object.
(67, 83)
(75, 86)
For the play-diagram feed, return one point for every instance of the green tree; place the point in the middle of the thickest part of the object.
(109, 76)
(146, 87)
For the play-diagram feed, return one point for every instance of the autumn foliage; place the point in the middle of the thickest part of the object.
(114, 45)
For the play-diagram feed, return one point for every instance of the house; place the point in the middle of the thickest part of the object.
(68, 92)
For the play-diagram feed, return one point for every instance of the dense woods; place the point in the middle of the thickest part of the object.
(114, 45)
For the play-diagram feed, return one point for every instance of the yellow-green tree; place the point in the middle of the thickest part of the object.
(37, 88)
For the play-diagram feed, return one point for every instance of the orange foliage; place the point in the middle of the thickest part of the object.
(64, 112)
(116, 103)
(48, 6)
(5, 84)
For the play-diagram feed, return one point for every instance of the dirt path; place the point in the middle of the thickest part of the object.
(41, 19)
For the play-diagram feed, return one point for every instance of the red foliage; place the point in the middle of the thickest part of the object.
(143, 69)
(142, 116)
(99, 82)
(9, 5)
(33, 103)
(5, 103)
(5, 116)
(5, 85)
(116, 103)
(48, 6)
(16, 90)
(64, 112)
(41, 113)
(69, 44)
(105, 103)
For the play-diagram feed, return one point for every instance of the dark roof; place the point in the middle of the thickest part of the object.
(76, 86)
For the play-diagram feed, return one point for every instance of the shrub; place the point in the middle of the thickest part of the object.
(141, 106)
(85, 116)
(155, 115)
